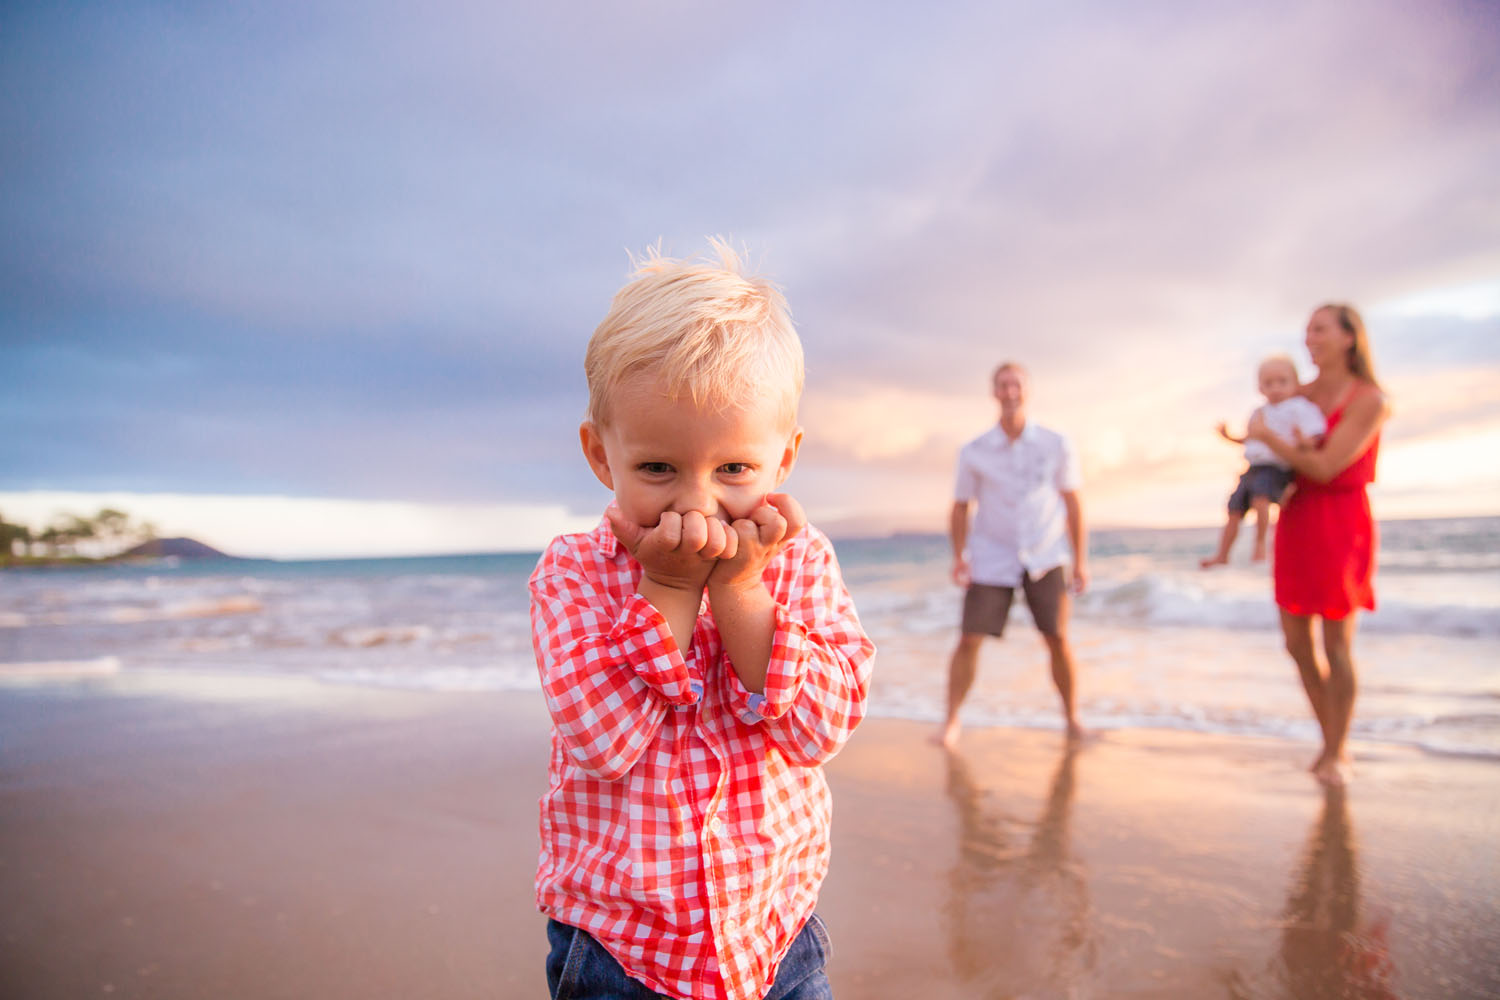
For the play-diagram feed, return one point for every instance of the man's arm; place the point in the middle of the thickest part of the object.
(1077, 534)
(958, 534)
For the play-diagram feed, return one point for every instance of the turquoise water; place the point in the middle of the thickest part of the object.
(1160, 642)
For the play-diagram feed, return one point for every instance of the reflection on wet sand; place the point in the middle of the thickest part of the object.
(1020, 917)
(1326, 950)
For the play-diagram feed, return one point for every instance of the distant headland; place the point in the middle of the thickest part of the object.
(108, 538)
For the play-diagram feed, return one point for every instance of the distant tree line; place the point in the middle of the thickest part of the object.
(105, 535)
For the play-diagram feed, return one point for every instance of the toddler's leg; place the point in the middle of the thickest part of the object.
(1226, 542)
(803, 974)
(1262, 508)
(579, 967)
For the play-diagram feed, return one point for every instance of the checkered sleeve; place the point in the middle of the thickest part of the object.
(610, 669)
(818, 678)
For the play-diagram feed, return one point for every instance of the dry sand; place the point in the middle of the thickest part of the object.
(178, 836)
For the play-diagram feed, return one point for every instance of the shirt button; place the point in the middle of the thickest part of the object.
(716, 825)
(730, 927)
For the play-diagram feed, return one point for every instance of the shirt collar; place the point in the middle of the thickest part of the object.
(604, 536)
(1002, 439)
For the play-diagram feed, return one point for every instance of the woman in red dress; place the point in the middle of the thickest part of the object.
(1326, 537)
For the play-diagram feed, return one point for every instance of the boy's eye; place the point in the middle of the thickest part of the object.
(655, 468)
(735, 468)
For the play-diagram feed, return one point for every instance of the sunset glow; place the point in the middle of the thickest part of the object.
(319, 289)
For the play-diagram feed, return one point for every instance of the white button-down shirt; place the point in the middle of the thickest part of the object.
(1021, 526)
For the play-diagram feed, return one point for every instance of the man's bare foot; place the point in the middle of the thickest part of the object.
(947, 736)
(1259, 555)
(1076, 732)
(1212, 561)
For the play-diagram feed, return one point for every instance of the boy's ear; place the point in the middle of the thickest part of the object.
(593, 450)
(789, 456)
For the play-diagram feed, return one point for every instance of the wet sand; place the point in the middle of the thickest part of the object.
(175, 836)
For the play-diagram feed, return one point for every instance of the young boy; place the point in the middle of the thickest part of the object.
(1268, 477)
(700, 657)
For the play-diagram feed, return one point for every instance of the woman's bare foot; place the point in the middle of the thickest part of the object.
(1333, 773)
(1076, 732)
(1212, 561)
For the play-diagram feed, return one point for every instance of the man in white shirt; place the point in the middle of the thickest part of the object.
(1027, 529)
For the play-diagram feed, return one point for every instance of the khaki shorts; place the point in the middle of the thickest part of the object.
(986, 607)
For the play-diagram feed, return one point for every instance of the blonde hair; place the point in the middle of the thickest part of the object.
(704, 328)
(1278, 359)
(1360, 358)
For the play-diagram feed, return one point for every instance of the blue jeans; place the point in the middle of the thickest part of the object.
(578, 968)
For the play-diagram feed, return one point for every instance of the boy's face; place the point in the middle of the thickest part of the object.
(1277, 381)
(659, 454)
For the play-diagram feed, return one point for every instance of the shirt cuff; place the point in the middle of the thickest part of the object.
(644, 642)
(783, 674)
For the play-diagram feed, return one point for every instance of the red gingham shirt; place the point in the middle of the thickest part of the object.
(685, 824)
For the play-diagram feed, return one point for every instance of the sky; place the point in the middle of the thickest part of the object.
(316, 279)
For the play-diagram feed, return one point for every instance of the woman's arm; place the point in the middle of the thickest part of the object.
(1363, 416)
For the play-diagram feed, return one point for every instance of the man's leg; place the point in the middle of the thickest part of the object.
(961, 670)
(985, 610)
(1051, 607)
(1062, 676)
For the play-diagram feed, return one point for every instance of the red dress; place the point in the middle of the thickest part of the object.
(1326, 540)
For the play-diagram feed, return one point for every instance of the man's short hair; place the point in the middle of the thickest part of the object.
(1010, 366)
(704, 328)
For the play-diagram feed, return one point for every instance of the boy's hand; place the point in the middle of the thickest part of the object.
(756, 540)
(681, 551)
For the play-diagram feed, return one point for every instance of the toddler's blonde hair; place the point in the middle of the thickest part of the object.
(1277, 360)
(704, 328)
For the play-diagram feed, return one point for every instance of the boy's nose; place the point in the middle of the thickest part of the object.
(696, 496)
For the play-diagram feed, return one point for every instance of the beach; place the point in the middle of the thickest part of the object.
(168, 833)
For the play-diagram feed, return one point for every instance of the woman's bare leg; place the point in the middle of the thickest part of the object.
(1298, 632)
(1338, 699)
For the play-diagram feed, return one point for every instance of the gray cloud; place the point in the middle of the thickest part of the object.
(352, 250)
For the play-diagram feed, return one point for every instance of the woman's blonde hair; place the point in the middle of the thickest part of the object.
(1361, 359)
(703, 328)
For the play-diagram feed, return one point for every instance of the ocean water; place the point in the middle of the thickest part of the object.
(1160, 643)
